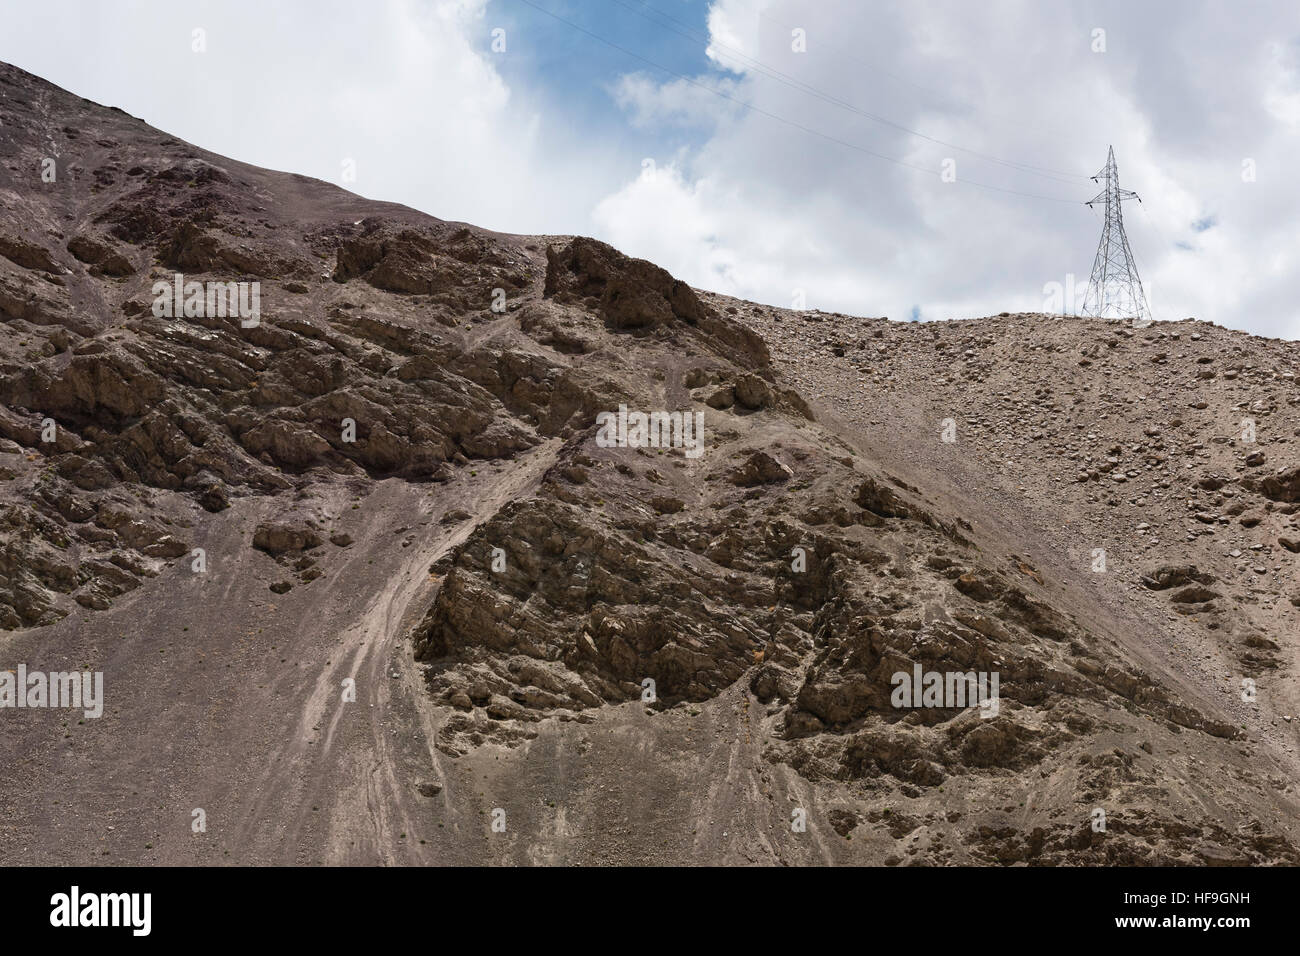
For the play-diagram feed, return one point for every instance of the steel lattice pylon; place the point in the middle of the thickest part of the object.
(1115, 290)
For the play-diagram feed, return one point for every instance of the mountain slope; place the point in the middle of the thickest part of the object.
(367, 583)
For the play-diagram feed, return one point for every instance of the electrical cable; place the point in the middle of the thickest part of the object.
(795, 83)
(781, 119)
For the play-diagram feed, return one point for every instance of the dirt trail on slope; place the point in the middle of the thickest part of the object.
(227, 699)
(376, 809)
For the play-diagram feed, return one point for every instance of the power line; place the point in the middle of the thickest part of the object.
(796, 83)
(843, 52)
(781, 119)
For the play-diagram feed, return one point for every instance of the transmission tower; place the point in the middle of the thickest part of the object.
(1114, 291)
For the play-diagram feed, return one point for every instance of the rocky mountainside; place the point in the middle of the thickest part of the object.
(334, 496)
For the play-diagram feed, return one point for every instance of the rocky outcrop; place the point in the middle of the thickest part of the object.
(462, 269)
(99, 254)
(759, 468)
(631, 294)
(1284, 485)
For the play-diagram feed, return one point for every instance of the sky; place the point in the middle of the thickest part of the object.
(917, 160)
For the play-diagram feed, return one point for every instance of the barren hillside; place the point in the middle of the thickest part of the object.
(367, 584)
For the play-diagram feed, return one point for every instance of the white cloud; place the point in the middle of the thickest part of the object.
(695, 102)
(1282, 95)
(733, 32)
